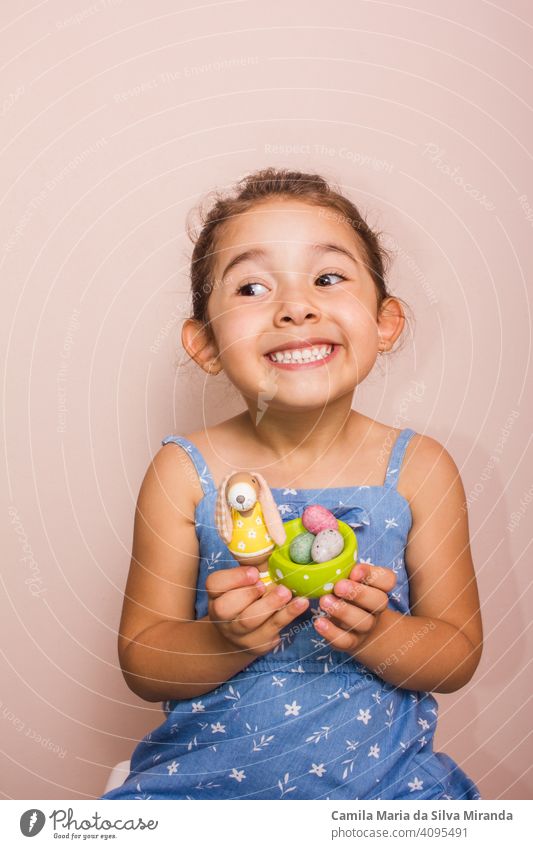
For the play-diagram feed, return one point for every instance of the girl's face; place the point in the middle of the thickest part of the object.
(291, 276)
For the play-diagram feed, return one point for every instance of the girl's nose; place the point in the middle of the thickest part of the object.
(296, 312)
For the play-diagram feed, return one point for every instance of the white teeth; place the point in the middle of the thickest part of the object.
(298, 355)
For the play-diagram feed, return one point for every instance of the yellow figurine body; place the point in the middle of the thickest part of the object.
(250, 536)
(248, 519)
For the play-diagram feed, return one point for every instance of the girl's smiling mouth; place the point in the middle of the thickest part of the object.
(302, 357)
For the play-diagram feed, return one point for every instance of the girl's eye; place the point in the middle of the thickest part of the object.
(248, 286)
(331, 274)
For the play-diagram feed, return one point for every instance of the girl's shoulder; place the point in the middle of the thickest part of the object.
(177, 471)
(422, 460)
(427, 466)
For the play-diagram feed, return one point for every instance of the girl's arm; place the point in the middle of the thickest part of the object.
(439, 646)
(164, 652)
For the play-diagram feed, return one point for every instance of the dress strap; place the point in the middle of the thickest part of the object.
(396, 457)
(206, 478)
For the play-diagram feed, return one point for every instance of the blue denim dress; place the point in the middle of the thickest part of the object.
(304, 721)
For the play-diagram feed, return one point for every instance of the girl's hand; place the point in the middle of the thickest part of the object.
(354, 610)
(248, 614)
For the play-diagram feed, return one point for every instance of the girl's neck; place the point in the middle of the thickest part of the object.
(302, 439)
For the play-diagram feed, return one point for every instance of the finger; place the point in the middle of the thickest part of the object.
(346, 615)
(375, 576)
(337, 637)
(274, 599)
(268, 634)
(291, 611)
(231, 604)
(223, 580)
(368, 598)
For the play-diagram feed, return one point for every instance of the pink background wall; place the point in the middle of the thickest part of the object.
(118, 116)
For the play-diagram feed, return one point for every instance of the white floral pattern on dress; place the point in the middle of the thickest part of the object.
(212, 561)
(318, 769)
(262, 743)
(142, 795)
(284, 785)
(316, 736)
(364, 716)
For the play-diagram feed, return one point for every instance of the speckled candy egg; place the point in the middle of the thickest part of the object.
(300, 548)
(327, 545)
(317, 518)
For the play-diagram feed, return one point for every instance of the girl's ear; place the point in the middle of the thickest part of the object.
(390, 321)
(200, 345)
(270, 511)
(223, 519)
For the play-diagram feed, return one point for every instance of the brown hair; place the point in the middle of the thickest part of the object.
(263, 185)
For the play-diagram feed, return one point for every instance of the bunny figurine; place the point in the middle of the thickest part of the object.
(248, 520)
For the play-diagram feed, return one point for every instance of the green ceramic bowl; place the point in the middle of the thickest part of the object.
(311, 579)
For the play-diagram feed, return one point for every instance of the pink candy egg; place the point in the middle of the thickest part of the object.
(316, 518)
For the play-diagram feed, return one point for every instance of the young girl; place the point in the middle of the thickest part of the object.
(268, 696)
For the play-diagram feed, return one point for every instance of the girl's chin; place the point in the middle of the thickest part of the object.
(303, 396)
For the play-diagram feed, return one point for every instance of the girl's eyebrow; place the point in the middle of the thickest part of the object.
(259, 253)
